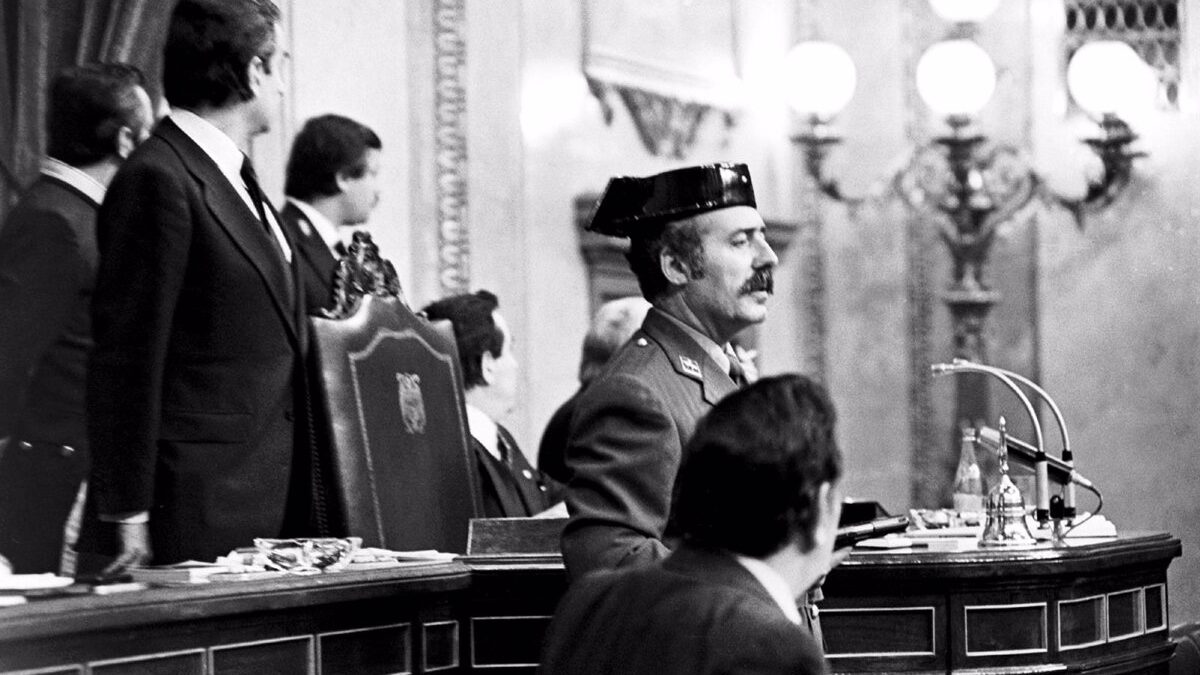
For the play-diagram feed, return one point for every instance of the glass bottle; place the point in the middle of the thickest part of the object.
(968, 486)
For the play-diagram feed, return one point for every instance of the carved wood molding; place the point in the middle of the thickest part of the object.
(361, 271)
(450, 146)
(667, 125)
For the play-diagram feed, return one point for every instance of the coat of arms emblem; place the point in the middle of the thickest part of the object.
(412, 404)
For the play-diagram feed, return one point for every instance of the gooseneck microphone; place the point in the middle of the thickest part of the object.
(1067, 456)
(1060, 471)
(1040, 466)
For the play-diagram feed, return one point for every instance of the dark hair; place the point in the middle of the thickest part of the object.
(209, 47)
(681, 237)
(475, 331)
(752, 471)
(326, 147)
(88, 106)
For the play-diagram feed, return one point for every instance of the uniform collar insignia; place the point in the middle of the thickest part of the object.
(690, 367)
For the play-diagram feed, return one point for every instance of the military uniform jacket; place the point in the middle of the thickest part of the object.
(195, 384)
(626, 441)
(697, 612)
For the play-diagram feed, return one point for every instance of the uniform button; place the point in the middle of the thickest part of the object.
(528, 474)
(642, 342)
(67, 450)
(25, 445)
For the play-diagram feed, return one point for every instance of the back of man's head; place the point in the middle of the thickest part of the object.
(751, 478)
(88, 106)
(475, 330)
(209, 47)
(615, 322)
(326, 147)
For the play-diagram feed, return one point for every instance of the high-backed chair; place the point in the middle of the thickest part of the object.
(394, 464)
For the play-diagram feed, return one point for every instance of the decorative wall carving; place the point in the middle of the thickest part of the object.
(666, 125)
(670, 81)
(450, 146)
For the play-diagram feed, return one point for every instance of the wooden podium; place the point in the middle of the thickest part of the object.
(1095, 606)
(1091, 606)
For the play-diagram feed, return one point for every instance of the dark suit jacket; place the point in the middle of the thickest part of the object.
(317, 264)
(47, 273)
(694, 613)
(195, 377)
(512, 491)
(627, 436)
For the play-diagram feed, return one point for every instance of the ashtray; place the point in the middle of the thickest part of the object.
(308, 556)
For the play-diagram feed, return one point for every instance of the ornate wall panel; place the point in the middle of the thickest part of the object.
(450, 101)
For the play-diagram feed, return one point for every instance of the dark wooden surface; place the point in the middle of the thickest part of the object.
(899, 612)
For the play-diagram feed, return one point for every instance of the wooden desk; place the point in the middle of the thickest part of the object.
(397, 620)
(1093, 607)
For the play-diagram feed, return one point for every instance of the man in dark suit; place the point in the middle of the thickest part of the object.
(757, 510)
(700, 254)
(195, 391)
(509, 486)
(332, 182)
(48, 258)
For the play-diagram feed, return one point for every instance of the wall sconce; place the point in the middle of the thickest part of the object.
(976, 185)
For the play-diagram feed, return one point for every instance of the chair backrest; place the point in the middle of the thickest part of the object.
(397, 467)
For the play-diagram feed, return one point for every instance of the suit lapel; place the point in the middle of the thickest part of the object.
(530, 492)
(687, 357)
(305, 240)
(242, 226)
(492, 466)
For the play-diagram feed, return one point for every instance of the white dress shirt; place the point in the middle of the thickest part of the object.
(228, 158)
(483, 429)
(77, 179)
(324, 226)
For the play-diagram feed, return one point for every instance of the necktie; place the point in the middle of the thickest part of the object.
(503, 446)
(736, 372)
(251, 180)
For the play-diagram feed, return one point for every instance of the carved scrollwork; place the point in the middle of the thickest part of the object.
(666, 125)
(362, 272)
(450, 146)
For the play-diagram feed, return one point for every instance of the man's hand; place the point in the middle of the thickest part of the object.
(135, 551)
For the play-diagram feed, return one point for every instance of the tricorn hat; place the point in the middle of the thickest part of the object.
(630, 204)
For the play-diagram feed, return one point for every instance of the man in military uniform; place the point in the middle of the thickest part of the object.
(699, 250)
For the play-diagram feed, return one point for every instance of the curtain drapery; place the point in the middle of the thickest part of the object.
(40, 37)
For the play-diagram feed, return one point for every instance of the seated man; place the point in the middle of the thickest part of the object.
(510, 487)
(757, 508)
(615, 322)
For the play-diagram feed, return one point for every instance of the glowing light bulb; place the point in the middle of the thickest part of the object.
(819, 79)
(956, 78)
(1107, 76)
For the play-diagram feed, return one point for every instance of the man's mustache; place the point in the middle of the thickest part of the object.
(763, 280)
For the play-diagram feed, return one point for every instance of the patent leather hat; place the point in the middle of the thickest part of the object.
(631, 205)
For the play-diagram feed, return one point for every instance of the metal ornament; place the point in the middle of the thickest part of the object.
(1005, 524)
